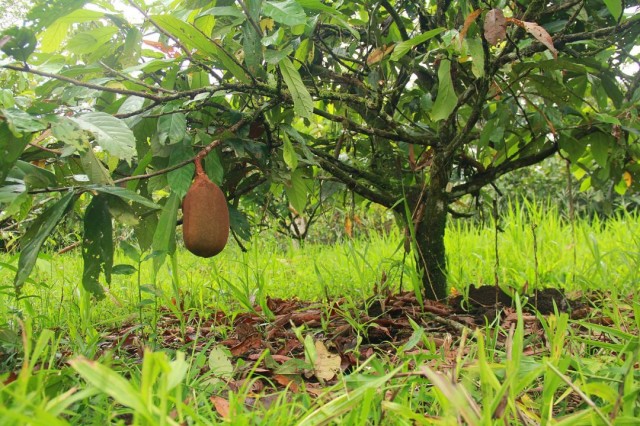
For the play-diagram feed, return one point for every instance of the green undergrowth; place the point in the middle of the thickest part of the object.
(53, 371)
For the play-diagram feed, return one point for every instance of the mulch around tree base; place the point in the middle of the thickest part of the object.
(272, 344)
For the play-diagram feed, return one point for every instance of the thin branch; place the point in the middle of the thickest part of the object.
(348, 175)
(253, 23)
(134, 80)
(75, 82)
(427, 140)
(184, 48)
(396, 18)
(491, 174)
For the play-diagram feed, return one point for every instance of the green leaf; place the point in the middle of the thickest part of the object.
(90, 41)
(287, 12)
(178, 370)
(404, 47)
(302, 101)
(446, 100)
(164, 239)
(252, 39)
(21, 44)
(122, 211)
(239, 223)
(192, 38)
(296, 190)
(20, 121)
(224, 11)
(289, 154)
(600, 143)
(172, 126)
(219, 362)
(113, 135)
(213, 167)
(123, 269)
(476, 52)
(94, 168)
(111, 383)
(36, 235)
(125, 194)
(615, 8)
(97, 245)
(12, 147)
(180, 179)
(52, 37)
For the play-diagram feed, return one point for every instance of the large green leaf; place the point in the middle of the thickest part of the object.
(193, 38)
(164, 239)
(97, 245)
(447, 99)
(113, 135)
(287, 12)
(36, 235)
(52, 37)
(302, 101)
(11, 146)
(21, 122)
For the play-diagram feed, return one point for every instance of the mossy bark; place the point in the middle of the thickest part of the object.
(430, 230)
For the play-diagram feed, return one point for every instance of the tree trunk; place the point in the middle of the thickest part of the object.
(430, 229)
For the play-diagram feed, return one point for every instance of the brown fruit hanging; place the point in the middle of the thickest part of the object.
(205, 226)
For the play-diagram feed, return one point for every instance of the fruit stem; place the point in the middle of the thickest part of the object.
(198, 163)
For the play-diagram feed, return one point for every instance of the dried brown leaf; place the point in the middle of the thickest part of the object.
(542, 36)
(286, 381)
(221, 405)
(326, 364)
(252, 342)
(378, 54)
(470, 19)
(495, 26)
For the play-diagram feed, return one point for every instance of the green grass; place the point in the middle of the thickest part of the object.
(586, 373)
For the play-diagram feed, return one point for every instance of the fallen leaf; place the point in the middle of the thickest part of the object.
(286, 381)
(252, 342)
(219, 362)
(221, 405)
(495, 27)
(326, 364)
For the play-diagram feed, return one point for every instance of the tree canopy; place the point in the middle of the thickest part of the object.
(412, 105)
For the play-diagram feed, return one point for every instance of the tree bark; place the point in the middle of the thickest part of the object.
(430, 228)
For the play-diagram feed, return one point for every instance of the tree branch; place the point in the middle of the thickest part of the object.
(491, 174)
(345, 174)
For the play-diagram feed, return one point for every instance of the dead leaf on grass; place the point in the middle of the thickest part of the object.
(221, 405)
(326, 364)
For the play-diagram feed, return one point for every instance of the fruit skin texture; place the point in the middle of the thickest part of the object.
(205, 225)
